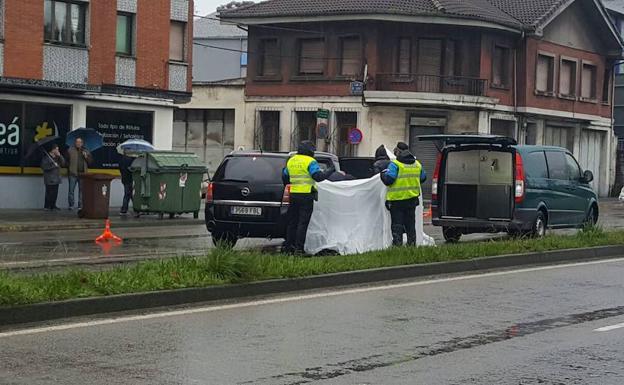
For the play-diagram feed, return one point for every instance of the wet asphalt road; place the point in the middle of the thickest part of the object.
(512, 327)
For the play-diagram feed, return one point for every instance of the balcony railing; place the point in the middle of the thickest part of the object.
(431, 83)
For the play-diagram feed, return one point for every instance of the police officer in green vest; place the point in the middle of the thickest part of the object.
(302, 172)
(403, 178)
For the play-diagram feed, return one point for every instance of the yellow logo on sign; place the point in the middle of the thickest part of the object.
(43, 131)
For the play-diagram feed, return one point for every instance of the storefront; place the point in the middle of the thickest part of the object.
(25, 119)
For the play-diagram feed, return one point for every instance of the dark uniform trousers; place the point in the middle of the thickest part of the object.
(403, 215)
(299, 214)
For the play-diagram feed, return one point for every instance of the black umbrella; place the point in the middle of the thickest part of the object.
(41, 145)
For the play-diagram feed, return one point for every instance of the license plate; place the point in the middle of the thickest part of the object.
(248, 211)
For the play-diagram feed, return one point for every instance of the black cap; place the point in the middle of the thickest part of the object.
(402, 146)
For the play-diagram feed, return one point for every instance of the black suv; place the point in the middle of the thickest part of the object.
(247, 198)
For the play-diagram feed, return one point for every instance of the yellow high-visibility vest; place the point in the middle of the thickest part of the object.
(301, 181)
(407, 184)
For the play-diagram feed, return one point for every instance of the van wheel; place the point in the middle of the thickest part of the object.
(451, 234)
(592, 217)
(538, 230)
(224, 239)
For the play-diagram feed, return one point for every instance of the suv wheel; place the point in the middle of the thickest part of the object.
(538, 230)
(451, 234)
(224, 239)
(592, 217)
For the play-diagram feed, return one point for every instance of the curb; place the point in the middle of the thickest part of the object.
(141, 301)
(13, 228)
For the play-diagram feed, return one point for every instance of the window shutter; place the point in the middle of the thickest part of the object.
(429, 57)
(311, 57)
(565, 78)
(404, 56)
(500, 66)
(270, 58)
(176, 41)
(450, 59)
(588, 82)
(542, 79)
(351, 56)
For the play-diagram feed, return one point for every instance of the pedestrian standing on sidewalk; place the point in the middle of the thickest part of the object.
(79, 160)
(403, 178)
(51, 165)
(126, 179)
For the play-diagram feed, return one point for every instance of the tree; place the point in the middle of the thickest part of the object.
(234, 5)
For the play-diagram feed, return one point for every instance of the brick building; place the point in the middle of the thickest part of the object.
(537, 70)
(118, 66)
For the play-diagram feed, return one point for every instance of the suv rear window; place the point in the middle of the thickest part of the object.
(535, 165)
(251, 169)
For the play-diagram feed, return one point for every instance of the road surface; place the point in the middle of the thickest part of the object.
(545, 325)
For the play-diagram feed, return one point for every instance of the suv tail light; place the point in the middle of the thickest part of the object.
(519, 186)
(210, 193)
(436, 178)
(286, 196)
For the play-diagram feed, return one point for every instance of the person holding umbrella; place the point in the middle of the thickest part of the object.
(79, 160)
(51, 165)
(129, 150)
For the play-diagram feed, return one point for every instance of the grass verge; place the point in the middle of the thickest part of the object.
(222, 266)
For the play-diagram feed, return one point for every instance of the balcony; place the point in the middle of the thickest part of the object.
(457, 85)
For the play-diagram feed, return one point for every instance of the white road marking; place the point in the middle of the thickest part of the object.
(271, 301)
(609, 328)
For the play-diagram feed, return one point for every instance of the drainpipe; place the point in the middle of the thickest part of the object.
(521, 127)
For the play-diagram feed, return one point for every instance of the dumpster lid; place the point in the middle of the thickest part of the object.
(170, 159)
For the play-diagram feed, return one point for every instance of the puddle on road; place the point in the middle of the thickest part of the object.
(377, 361)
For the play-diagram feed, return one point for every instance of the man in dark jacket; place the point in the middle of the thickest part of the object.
(403, 178)
(126, 179)
(301, 172)
(382, 160)
(51, 165)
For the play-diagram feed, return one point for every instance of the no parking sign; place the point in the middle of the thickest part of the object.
(355, 136)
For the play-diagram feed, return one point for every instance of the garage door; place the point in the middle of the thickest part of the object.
(592, 143)
(425, 152)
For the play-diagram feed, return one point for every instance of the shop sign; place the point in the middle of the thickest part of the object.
(117, 126)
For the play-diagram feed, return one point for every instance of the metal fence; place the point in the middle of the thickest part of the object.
(431, 83)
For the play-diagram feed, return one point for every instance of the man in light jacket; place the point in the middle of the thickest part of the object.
(79, 160)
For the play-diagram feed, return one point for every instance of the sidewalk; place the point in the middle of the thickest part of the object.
(40, 220)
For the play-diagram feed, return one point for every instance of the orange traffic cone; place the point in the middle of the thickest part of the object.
(428, 213)
(107, 235)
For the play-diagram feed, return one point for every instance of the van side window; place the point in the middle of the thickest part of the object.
(557, 168)
(572, 168)
(535, 165)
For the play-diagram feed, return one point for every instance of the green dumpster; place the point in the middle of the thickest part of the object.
(167, 182)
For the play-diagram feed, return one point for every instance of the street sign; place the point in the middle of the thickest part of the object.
(322, 123)
(355, 136)
(322, 131)
(322, 113)
(357, 88)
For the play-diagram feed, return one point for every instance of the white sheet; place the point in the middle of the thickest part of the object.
(350, 217)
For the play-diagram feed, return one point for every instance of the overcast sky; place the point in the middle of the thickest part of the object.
(205, 7)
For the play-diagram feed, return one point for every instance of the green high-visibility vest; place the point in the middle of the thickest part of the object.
(301, 181)
(407, 184)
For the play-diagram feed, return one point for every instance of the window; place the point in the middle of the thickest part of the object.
(345, 121)
(559, 136)
(503, 128)
(311, 57)
(588, 82)
(452, 59)
(557, 168)
(535, 165)
(544, 75)
(350, 56)
(567, 78)
(125, 33)
(573, 170)
(64, 22)
(267, 135)
(176, 41)
(500, 67)
(606, 87)
(404, 56)
(306, 127)
(269, 59)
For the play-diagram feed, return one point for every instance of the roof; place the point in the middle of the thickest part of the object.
(517, 14)
(614, 5)
(210, 27)
(472, 9)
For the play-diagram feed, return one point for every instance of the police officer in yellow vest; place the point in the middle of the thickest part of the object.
(302, 172)
(403, 178)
